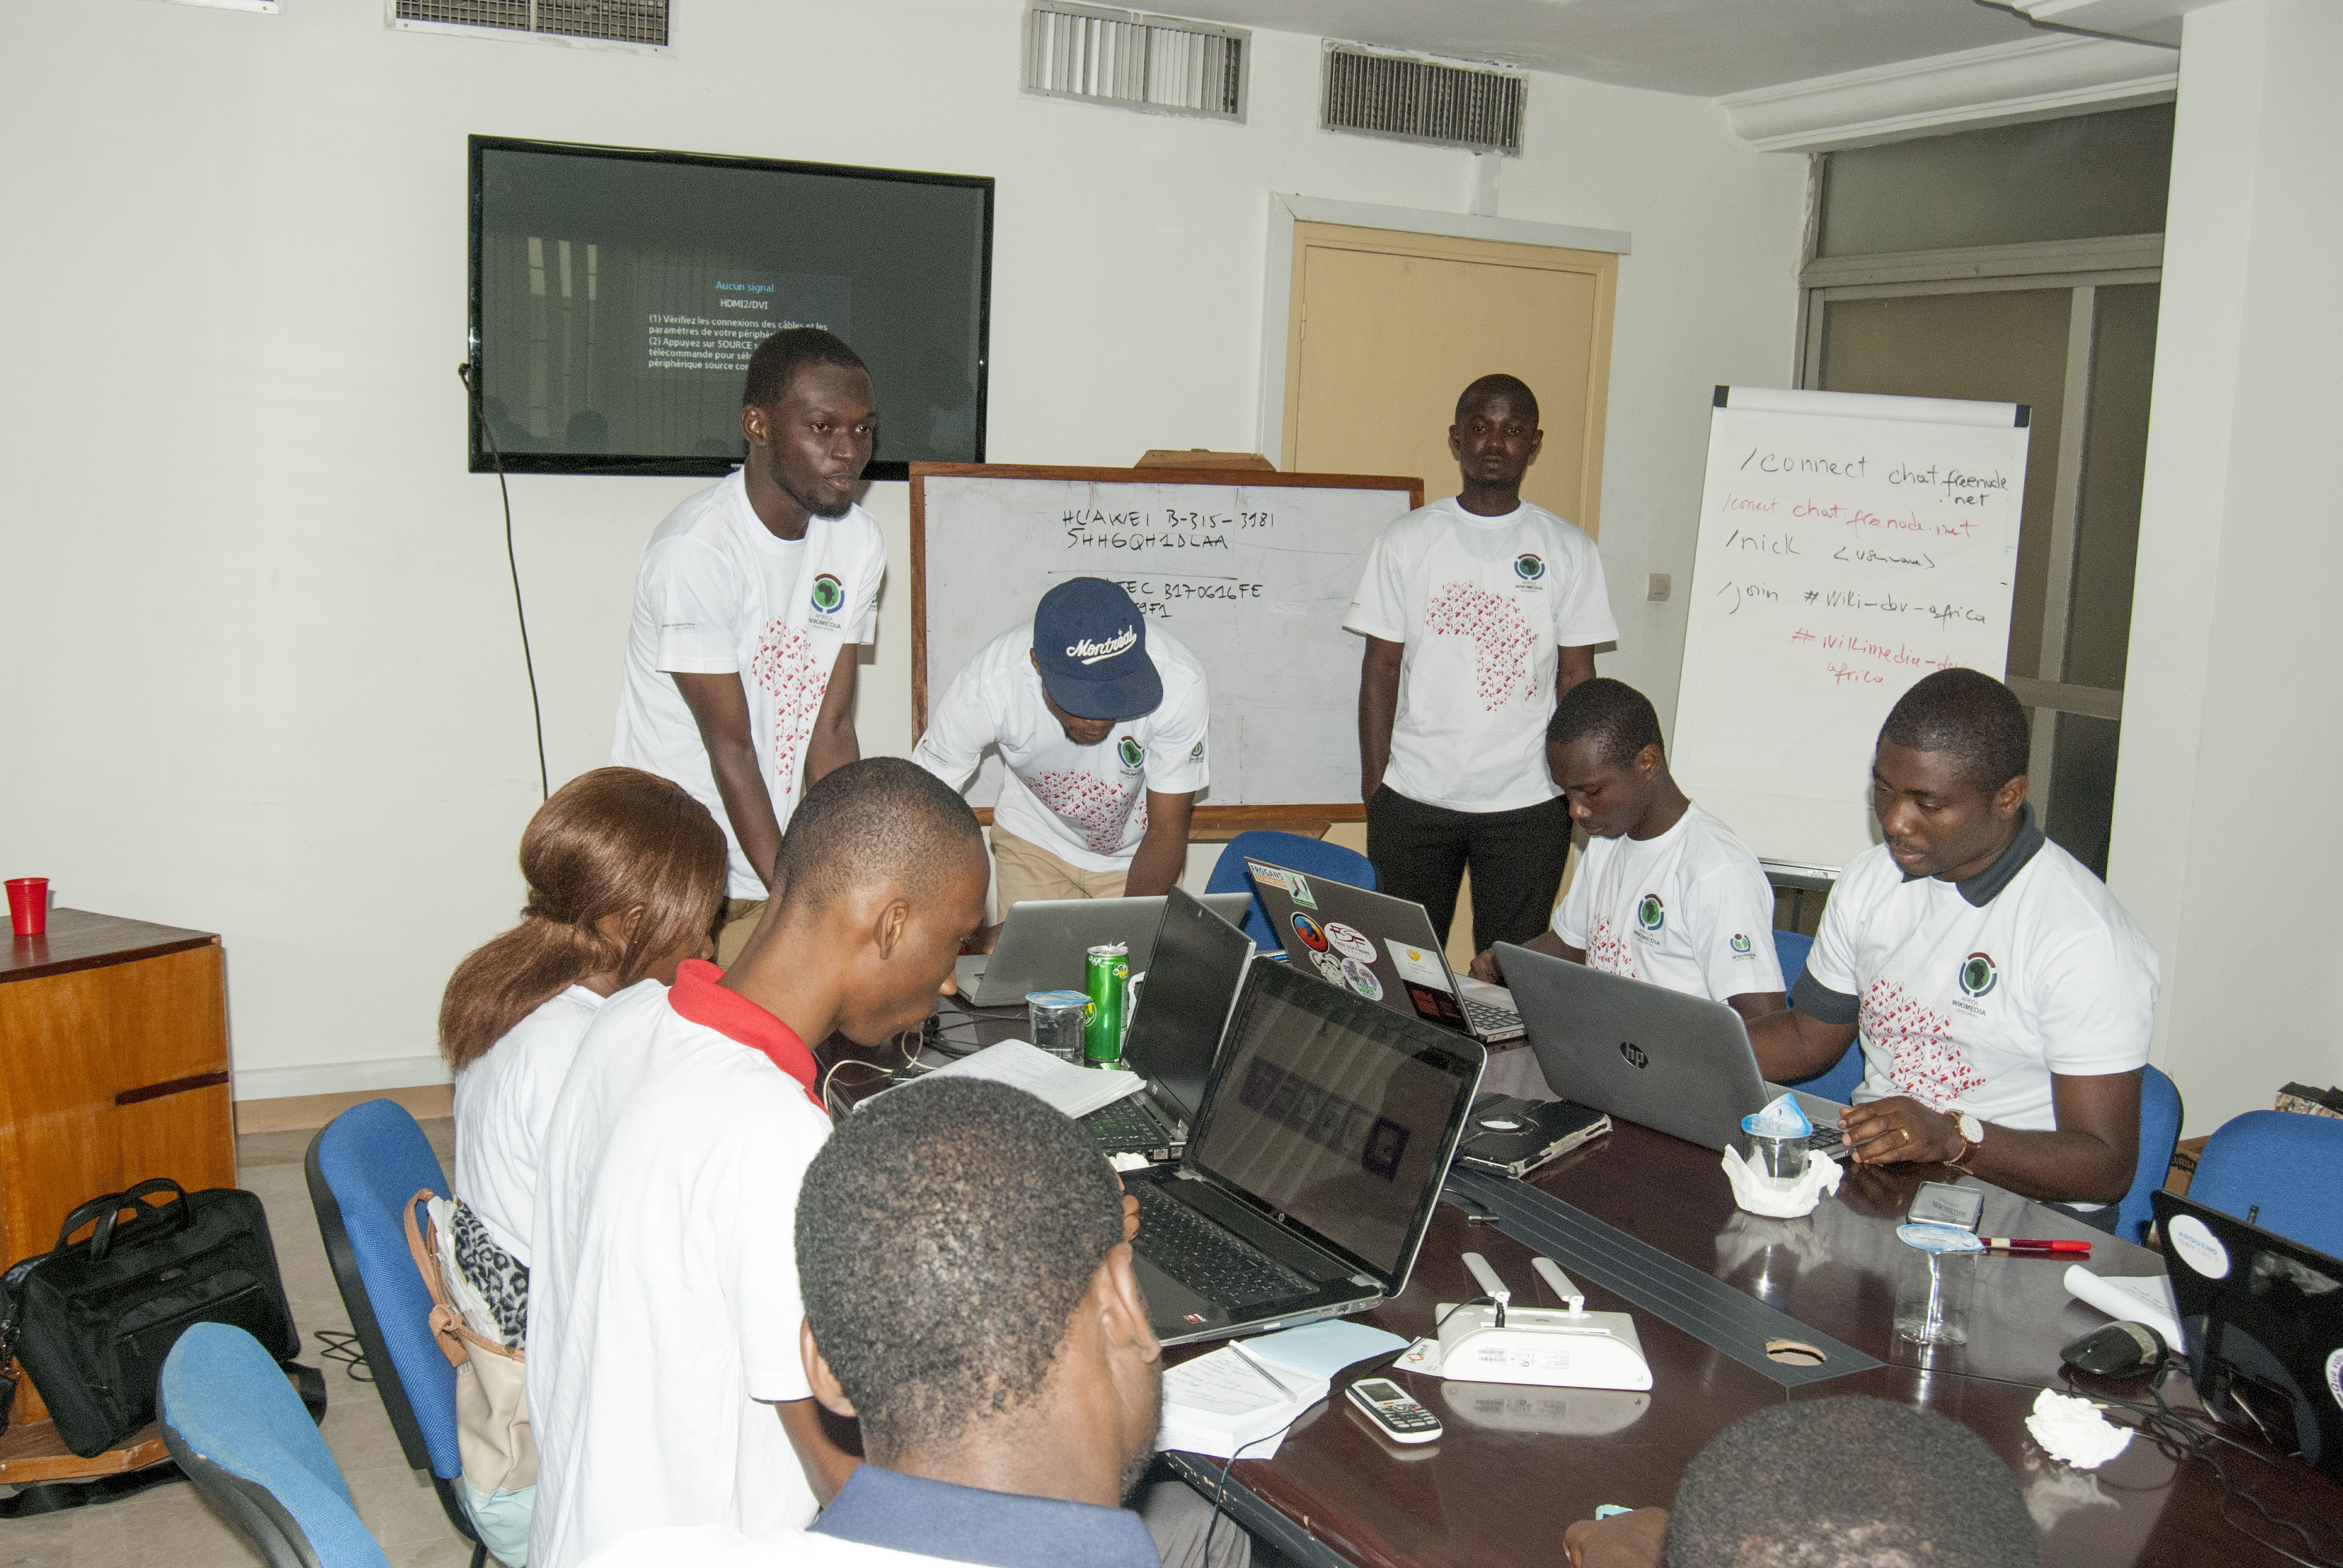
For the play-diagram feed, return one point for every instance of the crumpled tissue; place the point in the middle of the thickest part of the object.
(1781, 1200)
(2073, 1431)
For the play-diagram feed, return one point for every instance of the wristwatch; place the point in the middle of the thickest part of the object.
(1971, 1131)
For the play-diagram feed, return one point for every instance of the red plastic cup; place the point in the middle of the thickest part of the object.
(28, 905)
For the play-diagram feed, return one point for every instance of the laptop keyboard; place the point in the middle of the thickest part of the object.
(1216, 1265)
(1827, 1138)
(1126, 1127)
(1487, 1018)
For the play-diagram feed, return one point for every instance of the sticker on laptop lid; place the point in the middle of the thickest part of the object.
(2335, 1375)
(1269, 875)
(1330, 966)
(1299, 885)
(1419, 964)
(2197, 1247)
(1350, 942)
(1313, 935)
(1361, 978)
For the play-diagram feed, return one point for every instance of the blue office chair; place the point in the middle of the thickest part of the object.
(2159, 1134)
(1311, 857)
(1837, 1081)
(244, 1437)
(363, 1167)
(2284, 1164)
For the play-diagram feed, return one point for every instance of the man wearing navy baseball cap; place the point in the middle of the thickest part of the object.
(1101, 724)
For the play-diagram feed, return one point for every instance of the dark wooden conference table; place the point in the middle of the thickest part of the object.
(1516, 1466)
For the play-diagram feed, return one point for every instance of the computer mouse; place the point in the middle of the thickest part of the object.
(2119, 1350)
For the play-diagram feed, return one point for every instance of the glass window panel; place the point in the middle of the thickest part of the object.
(2075, 178)
(2115, 455)
(2006, 345)
(2082, 785)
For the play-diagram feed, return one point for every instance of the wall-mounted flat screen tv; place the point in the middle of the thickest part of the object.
(616, 294)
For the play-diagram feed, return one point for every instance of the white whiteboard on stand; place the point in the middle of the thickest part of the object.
(1254, 571)
(1849, 544)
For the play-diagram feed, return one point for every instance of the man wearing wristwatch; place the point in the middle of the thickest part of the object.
(2003, 998)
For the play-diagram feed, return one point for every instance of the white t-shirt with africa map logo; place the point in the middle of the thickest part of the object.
(717, 594)
(1481, 604)
(1969, 996)
(1691, 910)
(1085, 804)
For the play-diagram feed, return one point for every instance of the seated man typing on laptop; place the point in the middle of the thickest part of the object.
(2001, 996)
(1087, 707)
(1665, 893)
(969, 1295)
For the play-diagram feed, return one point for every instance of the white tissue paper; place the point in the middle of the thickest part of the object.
(2073, 1431)
(1781, 1200)
(1784, 1118)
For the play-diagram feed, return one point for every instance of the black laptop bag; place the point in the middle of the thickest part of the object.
(92, 1320)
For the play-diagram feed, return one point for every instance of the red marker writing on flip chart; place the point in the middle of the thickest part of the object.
(2019, 1244)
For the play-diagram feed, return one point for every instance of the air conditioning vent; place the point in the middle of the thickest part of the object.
(608, 21)
(1418, 100)
(1161, 64)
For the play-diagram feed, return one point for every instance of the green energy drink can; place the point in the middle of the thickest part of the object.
(1104, 977)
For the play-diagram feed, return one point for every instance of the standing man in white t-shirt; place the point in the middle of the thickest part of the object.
(1092, 711)
(1477, 610)
(665, 1385)
(749, 603)
(2003, 998)
(1664, 892)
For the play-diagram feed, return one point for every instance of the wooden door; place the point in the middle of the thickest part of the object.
(1386, 329)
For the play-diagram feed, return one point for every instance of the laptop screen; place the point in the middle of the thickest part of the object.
(1198, 961)
(1336, 1114)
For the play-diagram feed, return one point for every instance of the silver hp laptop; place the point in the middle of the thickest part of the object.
(1383, 948)
(1044, 942)
(1192, 980)
(1679, 1064)
(1314, 1165)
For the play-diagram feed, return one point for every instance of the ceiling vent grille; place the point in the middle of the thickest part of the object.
(1418, 100)
(1161, 64)
(608, 21)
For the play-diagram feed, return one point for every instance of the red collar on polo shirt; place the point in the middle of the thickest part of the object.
(696, 996)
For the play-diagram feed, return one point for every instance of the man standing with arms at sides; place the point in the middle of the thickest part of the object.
(1478, 610)
(749, 603)
(2003, 998)
(1089, 710)
(1665, 892)
(665, 1383)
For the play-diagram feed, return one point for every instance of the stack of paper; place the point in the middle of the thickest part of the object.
(1232, 1403)
(1076, 1091)
(2143, 1299)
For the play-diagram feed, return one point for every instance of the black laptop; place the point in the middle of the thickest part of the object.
(2264, 1320)
(1313, 1166)
(1198, 963)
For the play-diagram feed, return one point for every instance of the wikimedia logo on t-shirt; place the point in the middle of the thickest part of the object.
(1978, 974)
(1651, 914)
(1132, 752)
(828, 594)
(1529, 568)
(1740, 945)
(1196, 752)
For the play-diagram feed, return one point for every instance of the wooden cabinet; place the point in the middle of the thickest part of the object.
(113, 1068)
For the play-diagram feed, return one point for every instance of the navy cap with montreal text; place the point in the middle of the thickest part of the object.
(1091, 642)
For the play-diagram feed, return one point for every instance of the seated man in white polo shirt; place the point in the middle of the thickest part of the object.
(665, 1386)
(2003, 997)
(1665, 892)
(1090, 710)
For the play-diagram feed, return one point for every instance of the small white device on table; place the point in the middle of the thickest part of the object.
(1564, 1347)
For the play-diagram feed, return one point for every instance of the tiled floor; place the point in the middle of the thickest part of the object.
(173, 1525)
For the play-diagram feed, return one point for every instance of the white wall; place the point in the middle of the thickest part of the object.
(266, 679)
(2227, 845)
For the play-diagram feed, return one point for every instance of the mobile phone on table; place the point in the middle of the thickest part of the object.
(1942, 1203)
(1392, 1408)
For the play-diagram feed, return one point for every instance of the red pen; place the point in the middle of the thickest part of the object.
(2019, 1244)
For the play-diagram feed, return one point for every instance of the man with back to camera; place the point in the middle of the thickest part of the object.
(2003, 998)
(1477, 610)
(749, 603)
(1665, 892)
(664, 1299)
(1090, 710)
(969, 1297)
